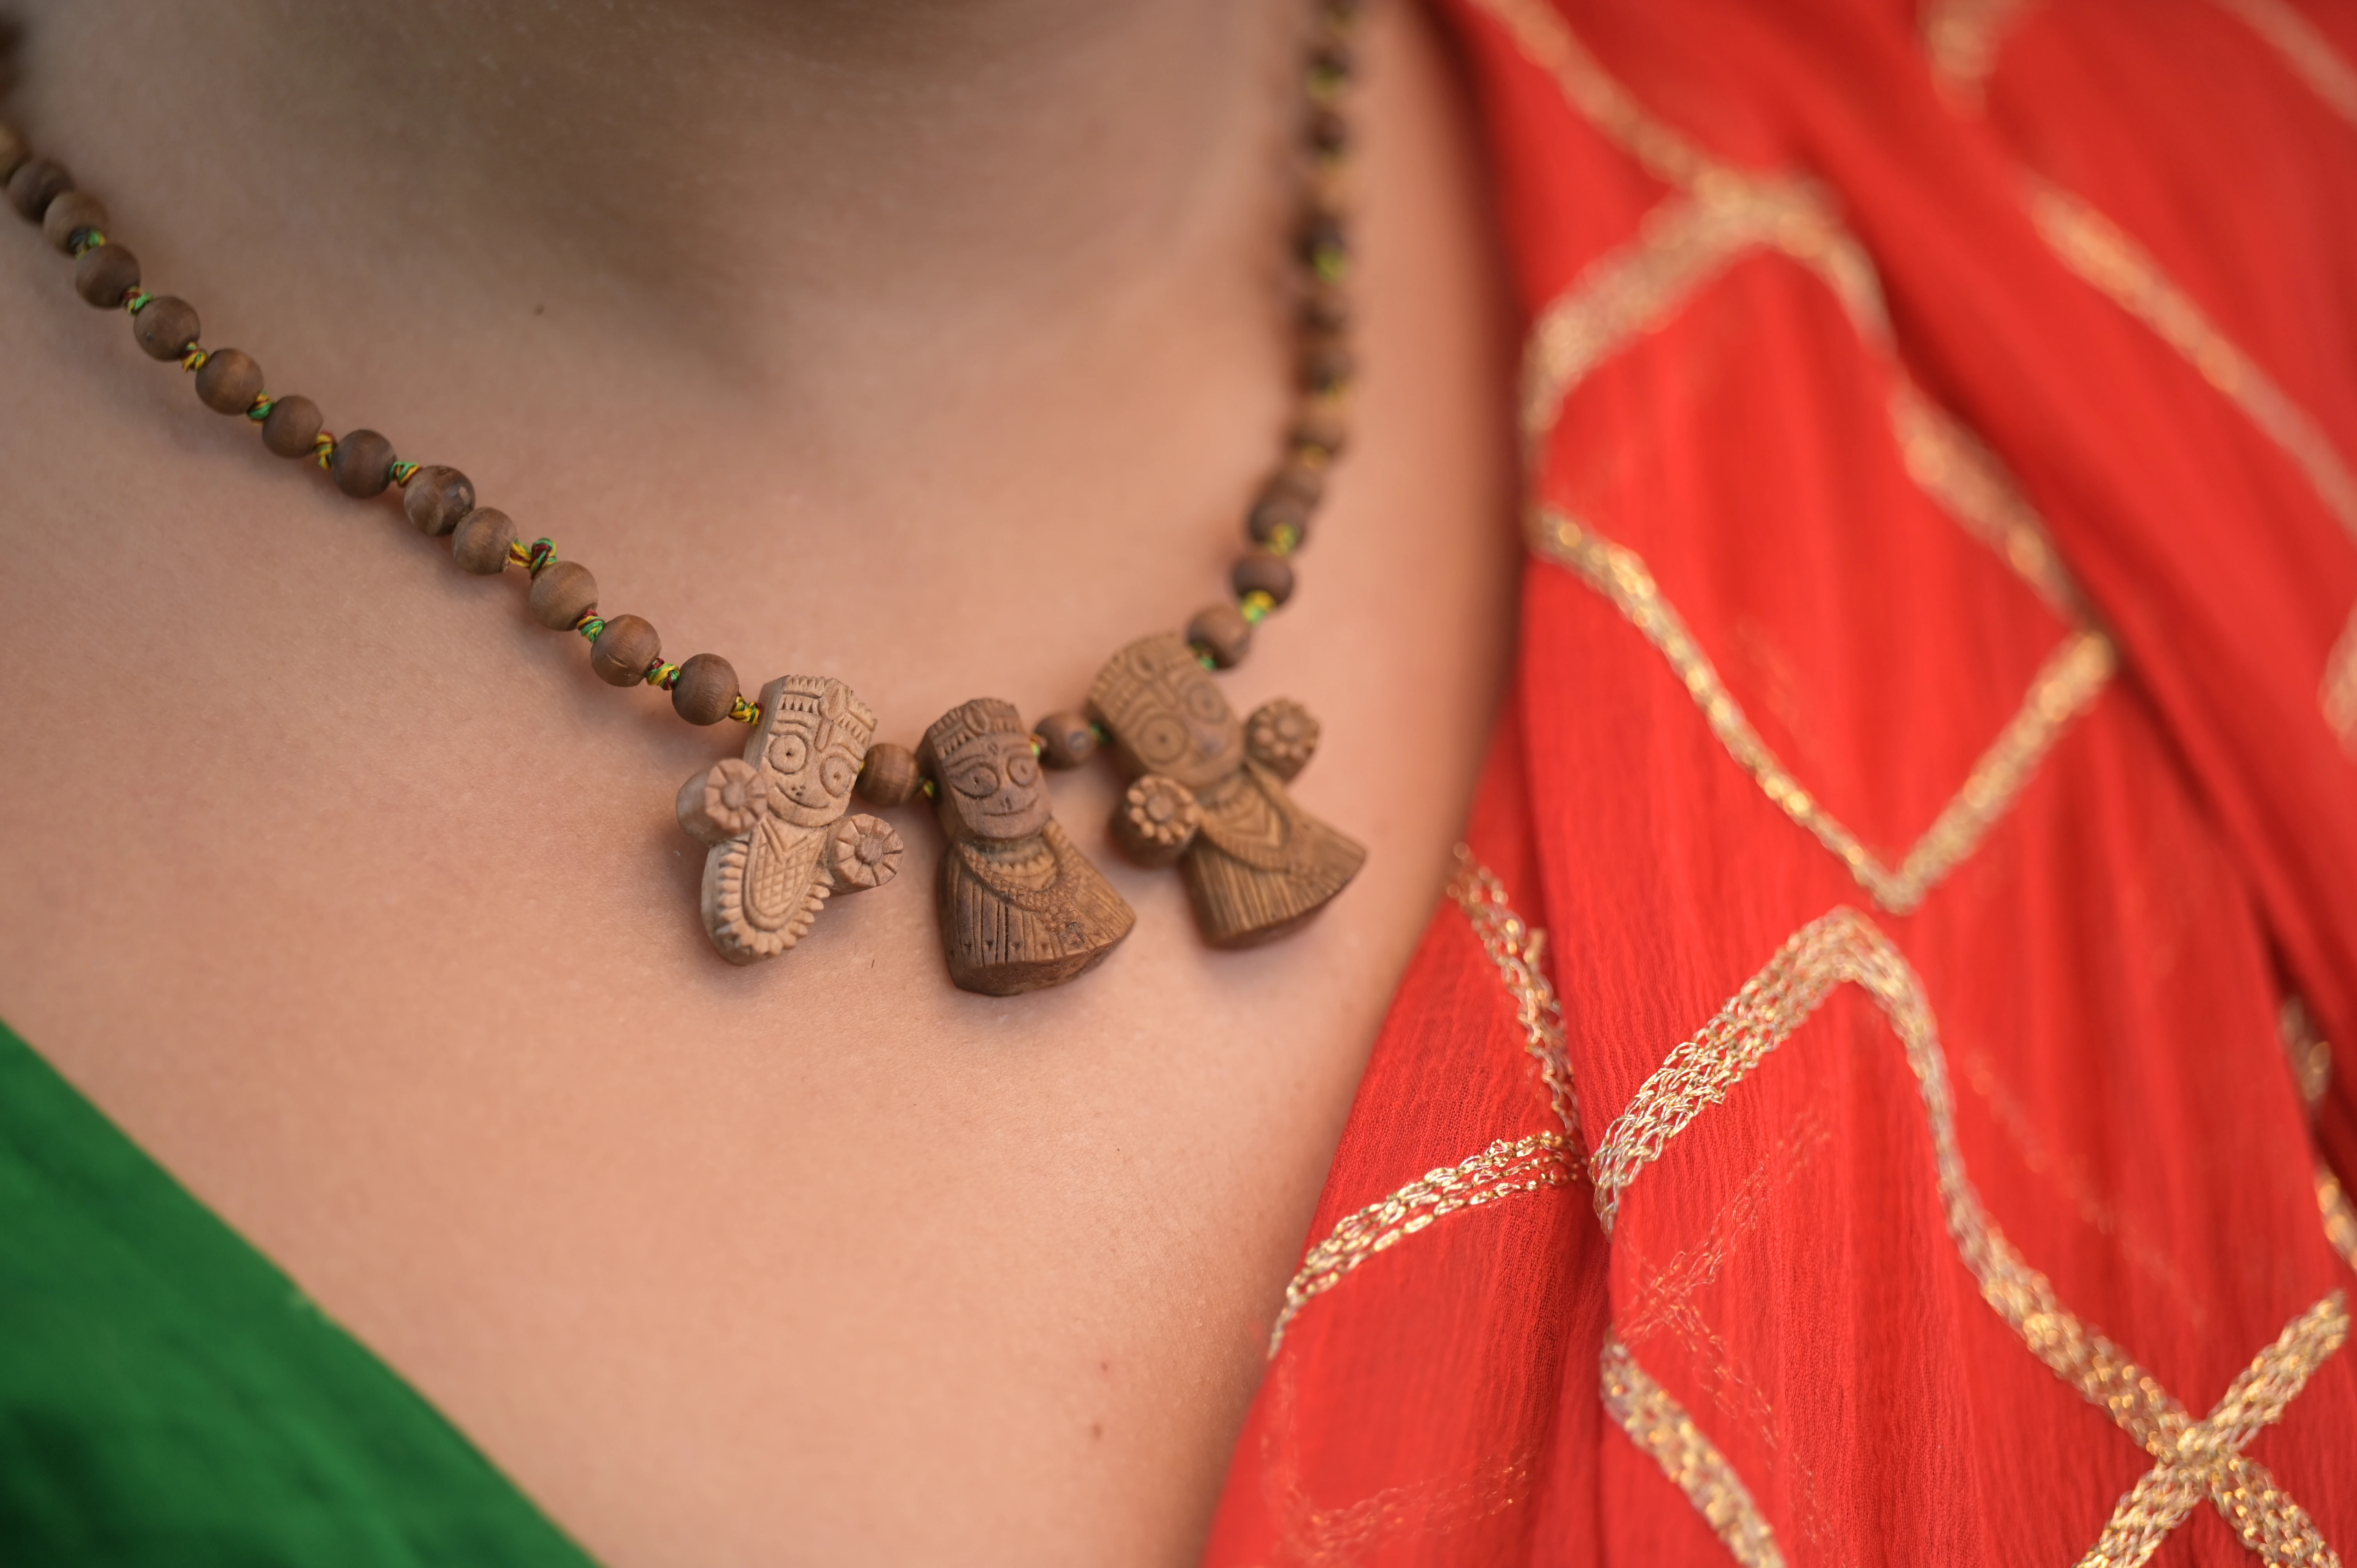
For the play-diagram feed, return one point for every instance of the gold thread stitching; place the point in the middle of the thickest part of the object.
(1517, 950)
(2065, 686)
(2307, 51)
(1962, 38)
(2339, 1218)
(2102, 255)
(1661, 1427)
(1548, 43)
(2309, 1053)
(1972, 485)
(1503, 1169)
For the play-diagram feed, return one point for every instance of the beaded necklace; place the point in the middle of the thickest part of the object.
(1021, 908)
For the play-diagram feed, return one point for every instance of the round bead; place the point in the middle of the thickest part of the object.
(1320, 432)
(36, 184)
(104, 273)
(481, 542)
(1262, 573)
(72, 215)
(624, 651)
(562, 594)
(362, 465)
(890, 777)
(1322, 234)
(1326, 308)
(164, 326)
(1222, 633)
(229, 381)
(1067, 739)
(706, 689)
(1278, 522)
(436, 498)
(288, 428)
(1296, 481)
(1326, 366)
(13, 151)
(1329, 131)
(1331, 57)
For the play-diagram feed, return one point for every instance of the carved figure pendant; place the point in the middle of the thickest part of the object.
(1208, 792)
(1021, 908)
(775, 819)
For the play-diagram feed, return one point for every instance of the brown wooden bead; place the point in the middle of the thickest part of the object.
(1299, 481)
(1221, 632)
(562, 593)
(1066, 739)
(104, 273)
(362, 465)
(436, 498)
(1262, 573)
(36, 184)
(624, 651)
(229, 381)
(1329, 131)
(164, 326)
(1279, 522)
(290, 425)
(706, 689)
(1320, 432)
(1324, 236)
(72, 215)
(890, 777)
(482, 540)
(14, 151)
(1327, 365)
(1326, 308)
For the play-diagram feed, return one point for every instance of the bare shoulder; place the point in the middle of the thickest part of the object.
(347, 891)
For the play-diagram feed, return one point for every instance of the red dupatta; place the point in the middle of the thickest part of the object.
(1911, 1140)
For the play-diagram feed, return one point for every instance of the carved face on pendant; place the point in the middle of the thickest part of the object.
(986, 774)
(813, 742)
(1166, 715)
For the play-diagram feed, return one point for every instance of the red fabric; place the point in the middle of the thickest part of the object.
(2105, 970)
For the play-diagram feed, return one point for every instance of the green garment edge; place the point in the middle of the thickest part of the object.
(168, 1397)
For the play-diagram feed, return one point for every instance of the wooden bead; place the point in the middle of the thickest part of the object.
(562, 594)
(890, 775)
(1298, 482)
(1279, 523)
(104, 273)
(624, 651)
(362, 465)
(1262, 573)
(1329, 131)
(1222, 633)
(481, 542)
(229, 381)
(1327, 365)
(14, 151)
(290, 425)
(71, 216)
(1324, 238)
(1066, 739)
(706, 689)
(36, 184)
(164, 326)
(1320, 432)
(1326, 308)
(436, 498)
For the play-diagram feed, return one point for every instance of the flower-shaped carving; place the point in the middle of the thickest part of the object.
(1156, 820)
(723, 801)
(1281, 736)
(863, 852)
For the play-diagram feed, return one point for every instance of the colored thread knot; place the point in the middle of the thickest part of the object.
(194, 357)
(583, 618)
(743, 712)
(401, 473)
(1331, 263)
(663, 677)
(259, 409)
(1284, 539)
(1255, 606)
(518, 555)
(137, 300)
(541, 556)
(87, 240)
(591, 626)
(324, 446)
(926, 785)
(1203, 656)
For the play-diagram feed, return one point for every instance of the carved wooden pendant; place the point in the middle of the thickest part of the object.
(1021, 909)
(775, 819)
(1208, 793)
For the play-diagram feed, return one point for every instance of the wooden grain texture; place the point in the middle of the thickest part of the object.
(1021, 908)
(1258, 865)
(766, 881)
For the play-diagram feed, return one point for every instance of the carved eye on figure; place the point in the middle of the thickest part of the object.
(788, 753)
(1161, 739)
(976, 781)
(1204, 703)
(1023, 769)
(835, 775)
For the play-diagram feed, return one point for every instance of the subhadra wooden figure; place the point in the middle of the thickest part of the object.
(1021, 909)
(775, 820)
(1208, 793)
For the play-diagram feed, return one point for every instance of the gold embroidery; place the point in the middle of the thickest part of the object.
(1844, 947)
(1548, 43)
(1503, 1169)
(2310, 1054)
(2311, 58)
(2195, 1460)
(1967, 479)
(1516, 949)
(1660, 1426)
(1962, 38)
(2096, 249)
(2339, 1218)
(2069, 682)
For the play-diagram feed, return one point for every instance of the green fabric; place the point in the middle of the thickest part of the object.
(167, 1397)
